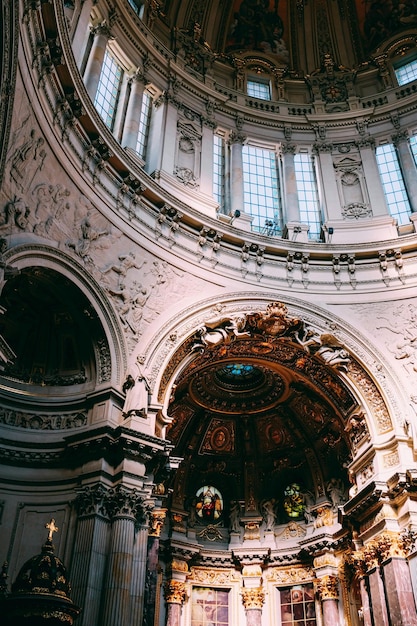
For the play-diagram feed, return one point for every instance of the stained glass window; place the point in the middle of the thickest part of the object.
(209, 507)
(293, 501)
(209, 607)
(297, 606)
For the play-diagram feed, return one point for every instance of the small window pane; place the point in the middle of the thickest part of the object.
(307, 194)
(108, 89)
(218, 169)
(258, 89)
(407, 73)
(262, 197)
(145, 118)
(393, 184)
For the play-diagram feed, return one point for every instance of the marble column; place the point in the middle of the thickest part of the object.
(253, 599)
(95, 60)
(292, 210)
(125, 506)
(327, 588)
(174, 597)
(236, 172)
(139, 574)
(134, 106)
(206, 177)
(80, 36)
(372, 177)
(157, 518)
(330, 193)
(399, 592)
(89, 555)
(377, 595)
(408, 167)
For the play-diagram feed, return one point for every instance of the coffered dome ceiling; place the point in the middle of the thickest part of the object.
(260, 403)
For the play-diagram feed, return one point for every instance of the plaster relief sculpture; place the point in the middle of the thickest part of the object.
(327, 346)
(130, 306)
(126, 262)
(51, 203)
(15, 215)
(27, 160)
(217, 331)
(91, 234)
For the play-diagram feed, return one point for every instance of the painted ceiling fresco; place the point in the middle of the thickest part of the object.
(382, 18)
(259, 26)
(264, 24)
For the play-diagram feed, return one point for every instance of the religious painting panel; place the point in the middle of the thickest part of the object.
(259, 26)
(381, 19)
(209, 607)
(297, 606)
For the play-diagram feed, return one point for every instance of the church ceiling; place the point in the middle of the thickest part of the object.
(274, 27)
(260, 401)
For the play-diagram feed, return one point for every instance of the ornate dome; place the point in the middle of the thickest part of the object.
(41, 591)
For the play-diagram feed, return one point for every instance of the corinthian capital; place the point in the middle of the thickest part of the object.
(174, 591)
(253, 598)
(327, 587)
(102, 29)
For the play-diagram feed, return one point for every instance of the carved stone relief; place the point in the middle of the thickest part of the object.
(187, 163)
(42, 421)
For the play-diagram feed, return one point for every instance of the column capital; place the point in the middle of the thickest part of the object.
(288, 148)
(321, 147)
(91, 500)
(156, 522)
(236, 137)
(102, 29)
(327, 587)
(390, 545)
(122, 502)
(174, 591)
(399, 137)
(253, 598)
(365, 142)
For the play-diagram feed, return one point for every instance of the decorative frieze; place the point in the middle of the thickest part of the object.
(36, 421)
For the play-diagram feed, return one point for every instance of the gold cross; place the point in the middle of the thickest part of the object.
(52, 528)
